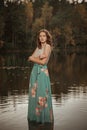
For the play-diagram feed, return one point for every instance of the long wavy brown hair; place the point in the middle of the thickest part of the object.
(49, 38)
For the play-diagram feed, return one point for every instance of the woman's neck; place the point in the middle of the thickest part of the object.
(43, 44)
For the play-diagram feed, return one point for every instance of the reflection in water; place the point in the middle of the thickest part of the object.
(13, 60)
(68, 71)
(37, 126)
(68, 75)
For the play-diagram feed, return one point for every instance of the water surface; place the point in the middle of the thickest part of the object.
(68, 74)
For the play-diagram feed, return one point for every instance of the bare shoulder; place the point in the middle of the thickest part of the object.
(48, 46)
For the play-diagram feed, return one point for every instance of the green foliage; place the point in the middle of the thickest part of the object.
(2, 24)
(20, 21)
(45, 18)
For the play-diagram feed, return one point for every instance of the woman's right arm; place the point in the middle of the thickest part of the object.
(35, 51)
(33, 54)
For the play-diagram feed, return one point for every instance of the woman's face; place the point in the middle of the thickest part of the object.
(42, 37)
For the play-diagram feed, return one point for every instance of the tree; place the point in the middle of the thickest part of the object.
(44, 20)
(29, 17)
(1, 3)
(46, 14)
(68, 33)
(2, 23)
(15, 23)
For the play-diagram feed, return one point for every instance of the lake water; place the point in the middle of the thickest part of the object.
(68, 74)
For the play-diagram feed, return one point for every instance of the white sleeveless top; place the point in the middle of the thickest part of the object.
(38, 52)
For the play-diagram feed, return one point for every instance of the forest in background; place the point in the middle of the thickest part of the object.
(20, 20)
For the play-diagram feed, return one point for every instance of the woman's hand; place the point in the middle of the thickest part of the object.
(42, 56)
(37, 60)
(29, 58)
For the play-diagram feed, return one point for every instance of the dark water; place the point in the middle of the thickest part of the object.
(68, 74)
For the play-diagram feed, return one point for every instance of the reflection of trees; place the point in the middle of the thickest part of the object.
(13, 85)
(81, 68)
(69, 65)
(67, 73)
(14, 60)
(2, 61)
(14, 79)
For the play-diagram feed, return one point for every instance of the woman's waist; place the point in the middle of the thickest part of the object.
(41, 66)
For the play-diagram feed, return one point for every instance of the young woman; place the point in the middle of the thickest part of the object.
(40, 103)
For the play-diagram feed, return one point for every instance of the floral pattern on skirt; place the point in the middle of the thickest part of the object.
(40, 100)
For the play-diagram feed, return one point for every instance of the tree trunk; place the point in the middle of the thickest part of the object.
(1, 3)
(13, 39)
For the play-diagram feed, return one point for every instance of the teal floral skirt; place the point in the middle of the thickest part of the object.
(40, 100)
